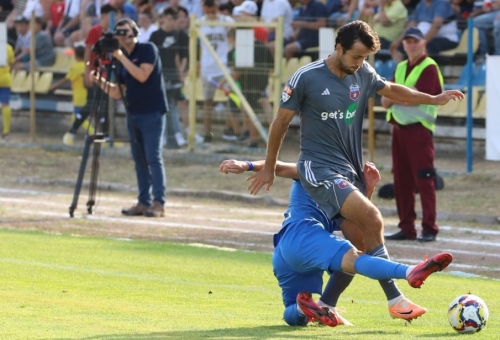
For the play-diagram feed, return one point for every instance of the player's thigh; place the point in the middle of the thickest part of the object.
(292, 282)
(328, 188)
(353, 233)
(307, 246)
(359, 210)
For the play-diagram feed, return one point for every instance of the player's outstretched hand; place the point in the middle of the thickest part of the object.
(265, 177)
(232, 166)
(446, 96)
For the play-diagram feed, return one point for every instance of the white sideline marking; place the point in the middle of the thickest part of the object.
(132, 276)
(145, 222)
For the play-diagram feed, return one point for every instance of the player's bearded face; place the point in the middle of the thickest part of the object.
(347, 64)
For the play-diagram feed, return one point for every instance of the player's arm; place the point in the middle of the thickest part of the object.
(58, 83)
(404, 94)
(277, 133)
(283, 169)
(141, 72)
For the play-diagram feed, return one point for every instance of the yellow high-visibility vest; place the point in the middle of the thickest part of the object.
(422, 113)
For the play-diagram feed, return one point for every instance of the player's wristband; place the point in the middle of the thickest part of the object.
(250, 166)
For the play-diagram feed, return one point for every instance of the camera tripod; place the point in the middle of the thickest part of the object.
(98, 112)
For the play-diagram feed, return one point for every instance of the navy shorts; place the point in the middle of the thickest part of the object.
(5, 95)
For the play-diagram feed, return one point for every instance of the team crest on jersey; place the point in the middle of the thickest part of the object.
(354, 92)
(342, 183)
(287, 93)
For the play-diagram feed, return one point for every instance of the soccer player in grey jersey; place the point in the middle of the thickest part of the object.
(331, 96)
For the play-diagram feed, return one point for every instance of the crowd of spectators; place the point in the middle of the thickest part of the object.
(70, 23)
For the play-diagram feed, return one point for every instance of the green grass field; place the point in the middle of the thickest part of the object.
(64, 287)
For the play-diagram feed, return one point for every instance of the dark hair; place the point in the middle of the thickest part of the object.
(209, 3)
(79, 52)
(147, 10)
(105, 9)
(360, 31)
(183, 9)
(170, 11)
(226, 7)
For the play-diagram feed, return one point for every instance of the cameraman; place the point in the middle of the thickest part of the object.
(140, 81)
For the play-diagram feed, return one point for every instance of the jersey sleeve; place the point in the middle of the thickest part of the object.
(72, 73)
(293, 92)
(149, 55)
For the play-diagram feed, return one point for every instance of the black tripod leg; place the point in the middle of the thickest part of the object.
(81, 173)
(93, 176)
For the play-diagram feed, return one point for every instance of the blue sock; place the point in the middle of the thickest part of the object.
(378, 268)
(293, 317)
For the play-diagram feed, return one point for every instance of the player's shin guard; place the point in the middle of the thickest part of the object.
(293, 317)
(379, 269)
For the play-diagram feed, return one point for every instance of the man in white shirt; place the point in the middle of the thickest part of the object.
(217, 35)
(146, 25)
(69, 23)
(193, 7)
(272, 10)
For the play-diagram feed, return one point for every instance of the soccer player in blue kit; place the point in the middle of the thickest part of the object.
(306, 247)
(331, 96)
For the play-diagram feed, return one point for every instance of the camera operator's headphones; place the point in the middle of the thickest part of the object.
(129, 22)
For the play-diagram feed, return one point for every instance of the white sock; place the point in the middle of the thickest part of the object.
(392, 302)
(409, 270)
(300, 310)
(322, 304)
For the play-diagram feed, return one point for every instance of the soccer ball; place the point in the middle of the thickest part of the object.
(468, 314)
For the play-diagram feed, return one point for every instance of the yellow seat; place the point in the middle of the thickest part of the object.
(61, 64)
(464, 41)
(43, 83)
(18, 81)
(289, 69)
(304, 60)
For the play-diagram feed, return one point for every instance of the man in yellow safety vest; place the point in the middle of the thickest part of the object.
(412, 145)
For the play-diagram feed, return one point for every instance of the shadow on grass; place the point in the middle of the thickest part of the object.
(247, 333)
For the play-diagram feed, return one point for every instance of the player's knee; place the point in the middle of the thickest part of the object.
(292, 316)
(349, 259)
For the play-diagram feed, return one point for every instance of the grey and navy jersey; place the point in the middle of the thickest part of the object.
(331, 113)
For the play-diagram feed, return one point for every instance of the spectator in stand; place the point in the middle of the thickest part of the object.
(484, 22)
(5, 85)
(22, 46)
(246, 12)
(127, 7)
(463, 8)
(312, 17)
(69, 23)
(217, 36)
(367, 9)
(146, 25)
(193, 7)
(44, 53)
(173, 47)
(182, 23)
(253, 82)
(33, 6)
(436, 20)
(272, 10)
(390, 21)
(75, 75)
(90, 56)
(341, 12)
(496, 35)
(410, 5)
(56, 15)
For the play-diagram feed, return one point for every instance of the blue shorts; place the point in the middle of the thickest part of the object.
(5, 95)
(304, 252)
(77, 111)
